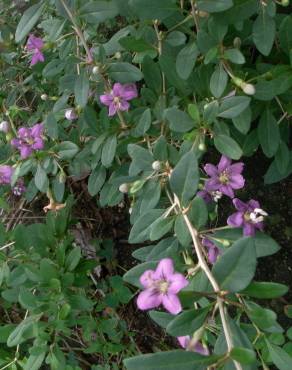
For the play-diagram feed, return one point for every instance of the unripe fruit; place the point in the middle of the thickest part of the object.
(124, 188)
(156, 166)
(44, 97)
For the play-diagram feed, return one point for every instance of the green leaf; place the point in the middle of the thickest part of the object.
(27, 299)
(231, 107)
(263, 33)
(35, 361)
(185, 177)
(198, 212)
(265, 245)
(161, 318)
(235, 56)
(53, 68)
(268, 133)
(227, 146)
(264, 318)
(133, 44)
(124, 72)
(142, 227)
(41, 179)
(81, 89)
(28, 20)
(243, 121)
(179, 121)
(152, 74)
(181, 231)
(186, 60)
(285, 34)
(282, 157)
(96, 180)
(279, 357)
(73, 259)
(214, 6)
(263, 290)
(98, 11)
(51, 126)
(144, 123)
(175, 38)
(170, 360)
(141, 159)
(133, 275)
(151, 9)
(218, 81)
(16, 337)
(161, 227)
(236, 268)
(243, 355)
(187, 322)
(109, 151)
(67, 150)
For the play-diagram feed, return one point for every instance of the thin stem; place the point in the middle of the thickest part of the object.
(194, 15)
(205, 268)
(78, 31)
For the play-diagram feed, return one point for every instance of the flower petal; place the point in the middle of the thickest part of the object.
(248, 229)
(199, 348)
(118, 90)
(112, 109)
(146, 279)
(25, 151)
(239, 205)
(236, 168)
(130, 92)
(38, 144)
(106, 99)
(177, 282)
(211, 170)
(224, 163)
(37, 130)
(184, 341)
(124, 105)
(171, 303)
(252, 204)
(148, 299)
(236, 181)
(205, 195)
(213, 184)
(164, 270)
(236, 219)
(227, 190)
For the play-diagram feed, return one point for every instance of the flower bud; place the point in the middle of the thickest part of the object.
(95, 70)
(118, 55)
(156, 166)
(44, 97)
(71, 114)
(225, 242)
(4, 127)
(237, 42)
(285, 2)
(202, 147)
(248, 89)
(124, 188)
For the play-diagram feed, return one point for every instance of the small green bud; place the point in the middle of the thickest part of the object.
(95, 70)
(64, 311)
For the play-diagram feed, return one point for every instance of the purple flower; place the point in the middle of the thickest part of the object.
(19, 188)
(225, 177)
(5, 174)
(117, 99)
(208, 196)
(29, 139)
(193, 346)
(161, 287)
(71, 114)
(213, 250)
(249, 216)
(35, 44)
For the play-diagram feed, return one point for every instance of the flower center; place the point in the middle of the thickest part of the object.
(224, 177)
(163, 286)
(117, 100)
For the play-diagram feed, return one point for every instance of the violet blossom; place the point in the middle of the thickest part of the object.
(225, 177)
(209, 196)
(161, 287)
(194, 346)
(6, 173)
(29, 139)
(249, 216)
(117, 99)
(19, 188)
(35, 44)
(213, 250)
